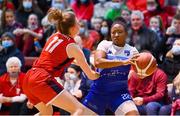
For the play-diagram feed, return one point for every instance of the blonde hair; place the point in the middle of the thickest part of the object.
(176, 83)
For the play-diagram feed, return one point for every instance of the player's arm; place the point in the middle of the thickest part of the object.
(73, 51)
(100, 60)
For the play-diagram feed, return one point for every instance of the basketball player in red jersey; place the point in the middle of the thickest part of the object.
(60, 50)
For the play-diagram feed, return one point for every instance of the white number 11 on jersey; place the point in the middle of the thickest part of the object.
(53, 44)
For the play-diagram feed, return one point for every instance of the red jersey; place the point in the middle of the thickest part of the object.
(9, 90)
(53, 57)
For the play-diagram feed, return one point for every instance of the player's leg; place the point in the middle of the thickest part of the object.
(44, 109)
(127, 108)
(66, 101)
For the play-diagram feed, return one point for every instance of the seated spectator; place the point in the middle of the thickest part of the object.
(72, 78)
(27, 7)
(154, 8)
(157, 26)
(173, 108)
(141, 37)
(59, 4)
(115, 10)
(171, 64)
(9, 23)
(101, 8)
(149, 92)
(31, 36)
(90, 38)
(8, 49)
(105, 30)
(126, 14)
(83, 9)
(48, 29)
(11, 95)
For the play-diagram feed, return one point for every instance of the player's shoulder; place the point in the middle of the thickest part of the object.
(127, 46)
(105, 43)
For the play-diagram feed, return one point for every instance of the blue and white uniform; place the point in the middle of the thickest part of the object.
(111, 89)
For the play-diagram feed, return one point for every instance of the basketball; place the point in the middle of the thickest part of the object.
(145, 64)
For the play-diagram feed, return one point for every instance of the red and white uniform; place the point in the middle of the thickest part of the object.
(39, 84)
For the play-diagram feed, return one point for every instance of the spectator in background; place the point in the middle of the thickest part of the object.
(173, 108)
(149, 92)
(157, 26)
(26, 8)
(105, 30)
(96, 23)
(59, 4)
(11, 94)
(90, 38)
(8, 49)
(72, 79)
(101, 8)
(6, 4)
(115, 10)
(86, 52)
(126, 14)
(141, 37)
(155, 8)
(9, 23)
(31, 36)
(48, 29)
(83, 9)
(171, 63)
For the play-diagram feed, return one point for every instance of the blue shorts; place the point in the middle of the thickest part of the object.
(99, 103)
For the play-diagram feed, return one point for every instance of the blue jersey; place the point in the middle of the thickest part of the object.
(113, 79)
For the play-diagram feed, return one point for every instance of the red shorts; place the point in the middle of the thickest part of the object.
(40, 86)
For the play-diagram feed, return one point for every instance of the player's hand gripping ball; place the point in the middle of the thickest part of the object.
(145, 64)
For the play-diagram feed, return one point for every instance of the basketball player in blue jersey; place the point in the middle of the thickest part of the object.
(113, 60)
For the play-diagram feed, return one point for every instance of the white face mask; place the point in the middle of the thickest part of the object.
(154, 29)
(72, 76)
(151, 8)
(176, 49)
(102, 1)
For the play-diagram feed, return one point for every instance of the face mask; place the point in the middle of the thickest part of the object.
(104, 30)
(73, 76)
(7, 43)
(83, 1)
(151, 8)
(59, 6)
(116, 5)
(14, 74)
(32, 26)
(154, 29)
(82, 30)
(27, 5)
(102, 1)
(176, 49)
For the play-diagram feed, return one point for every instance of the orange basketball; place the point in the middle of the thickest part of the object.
(145, 65)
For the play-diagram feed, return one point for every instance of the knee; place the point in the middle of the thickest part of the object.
(152, 106)
(165, 110)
